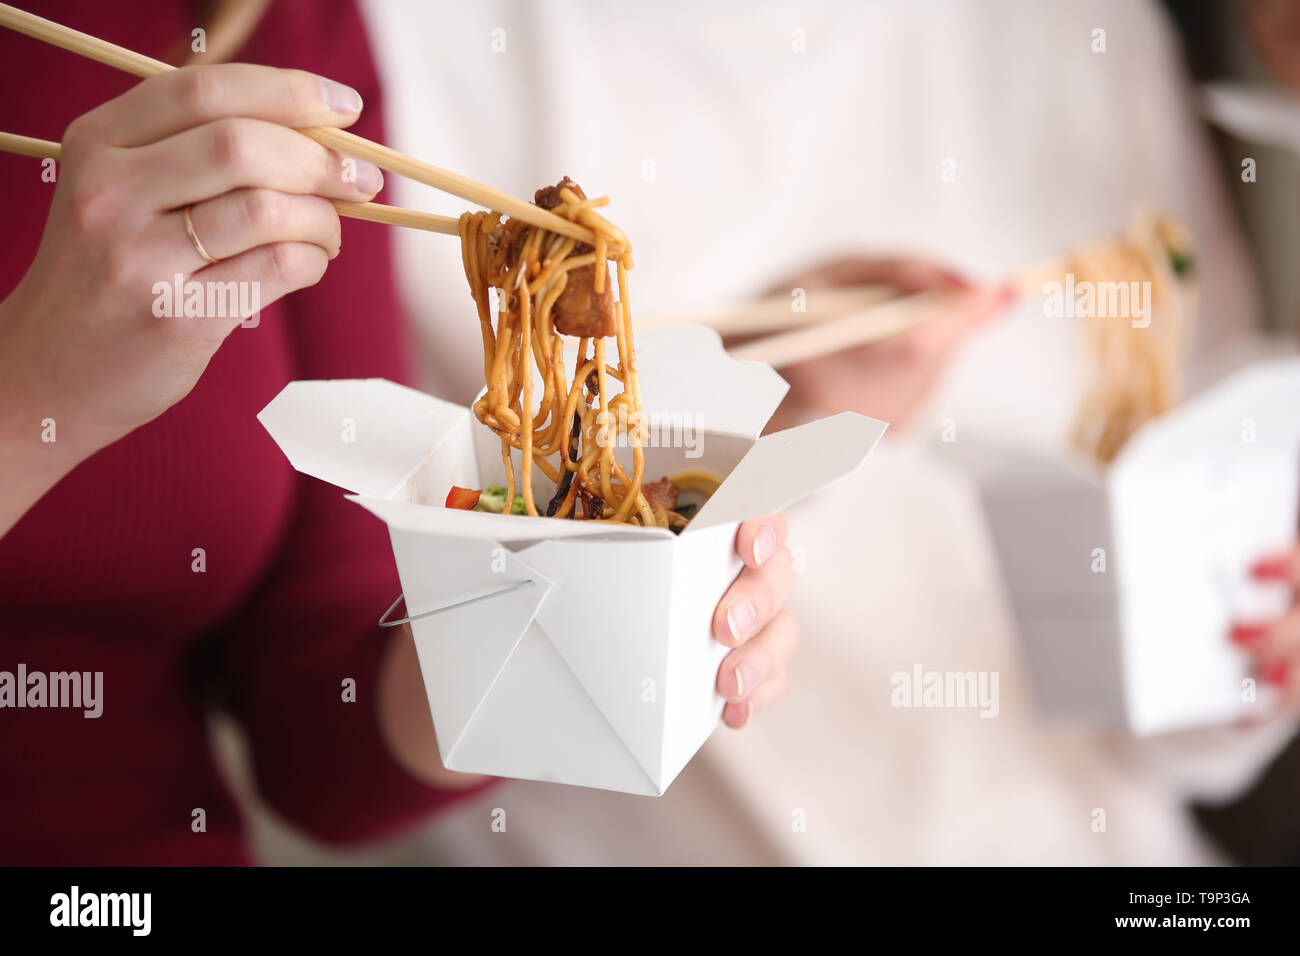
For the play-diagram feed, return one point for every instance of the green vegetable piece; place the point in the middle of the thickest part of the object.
(493, 500)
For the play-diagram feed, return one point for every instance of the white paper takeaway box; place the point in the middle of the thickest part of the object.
(1191, 503)
(598, 669)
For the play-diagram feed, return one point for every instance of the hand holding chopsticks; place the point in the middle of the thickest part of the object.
(183, 208)
(858, 315)
(344, 142)
(369, 211)
(877, 321)
(882, 298)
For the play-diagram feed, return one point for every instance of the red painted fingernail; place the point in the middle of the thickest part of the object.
(1272, 569)
(1247, 633)
(1277, 673)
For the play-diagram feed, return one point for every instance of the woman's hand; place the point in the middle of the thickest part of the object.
(751, 618)
(889, 380)
(1274, 646)
(79, 340)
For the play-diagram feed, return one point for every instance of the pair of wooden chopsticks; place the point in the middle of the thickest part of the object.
(843, 318)
(344, 142)
(835, 319)
(369, 211)
(861, 326)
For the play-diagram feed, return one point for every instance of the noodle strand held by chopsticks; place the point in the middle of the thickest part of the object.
(1133, 368)
(577, 426)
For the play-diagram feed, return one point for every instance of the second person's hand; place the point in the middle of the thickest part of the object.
(1274, 645)
(889, 380)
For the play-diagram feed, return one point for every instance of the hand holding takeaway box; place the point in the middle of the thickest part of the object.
(1125, 587)
(568, 650)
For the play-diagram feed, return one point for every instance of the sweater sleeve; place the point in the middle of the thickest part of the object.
(317, 753)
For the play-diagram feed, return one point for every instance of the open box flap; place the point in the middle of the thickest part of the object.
(364, 435)
(685, 371)
(786, 466)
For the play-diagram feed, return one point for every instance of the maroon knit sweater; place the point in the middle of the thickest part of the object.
(99, 576)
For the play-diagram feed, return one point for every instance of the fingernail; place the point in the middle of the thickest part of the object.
(1272, 569)
(746, 678)
(749, 712)
(368, 177)
(340, 98)
(740, 619)
(1277, 673)
(764, 544)
(1008, 294)
(1247, 633)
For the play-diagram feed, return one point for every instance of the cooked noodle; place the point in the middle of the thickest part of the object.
(571, 431)
(1133, 371)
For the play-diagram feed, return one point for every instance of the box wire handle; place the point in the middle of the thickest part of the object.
(384, 622)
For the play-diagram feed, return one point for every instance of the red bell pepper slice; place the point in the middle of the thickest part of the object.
(463, 498)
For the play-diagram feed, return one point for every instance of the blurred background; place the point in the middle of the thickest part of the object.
(741, 143)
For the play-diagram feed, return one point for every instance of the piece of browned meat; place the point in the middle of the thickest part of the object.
(548, 197)
(580, 310)
(662, 493)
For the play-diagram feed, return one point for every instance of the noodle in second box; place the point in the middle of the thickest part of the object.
(570, 651)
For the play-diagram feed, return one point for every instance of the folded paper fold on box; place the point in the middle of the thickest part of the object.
(601, 671)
